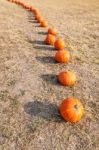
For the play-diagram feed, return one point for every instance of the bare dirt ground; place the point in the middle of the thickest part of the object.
(29, 92)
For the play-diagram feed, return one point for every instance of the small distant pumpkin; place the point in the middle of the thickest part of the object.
(52, 31)
(24, 6)
(67, 78)
(36, 11)
(17, 2)
(44, 23)
(27, 7)
(12, 1)
(71, 110)
(50, 39)
(62, 56)
(21, 4)
(31, 8)
(39, 19)
(59, 44)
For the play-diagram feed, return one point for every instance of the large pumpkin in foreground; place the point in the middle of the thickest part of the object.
(71, 110)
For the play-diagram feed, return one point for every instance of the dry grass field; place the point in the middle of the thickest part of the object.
(29, 91)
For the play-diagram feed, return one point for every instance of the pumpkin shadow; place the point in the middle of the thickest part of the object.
(44, 47)
(33, 21)
(50, 78)
(38, 25)
(46, 60)
(47, 111)
(40, 45)
(42, 33)
(38, 42)
(31, 16)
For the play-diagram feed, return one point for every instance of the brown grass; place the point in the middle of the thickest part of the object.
(29, 91)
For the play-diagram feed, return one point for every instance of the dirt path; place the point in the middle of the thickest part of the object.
(29, 92)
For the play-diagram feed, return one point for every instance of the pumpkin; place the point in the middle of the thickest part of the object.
(13, 1)
(28, 7)
(71, 110)
(62, 56)
(31, 8)
(59, 44)
(44, 23)
(67, 78)
(20, 3)
(36, 11)
(39, 18)
(52, 31)
(50, 39)
(24, 6)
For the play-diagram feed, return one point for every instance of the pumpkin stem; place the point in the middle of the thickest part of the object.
(76, 106)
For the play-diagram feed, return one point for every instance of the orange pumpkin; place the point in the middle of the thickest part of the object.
(13, 1)
(71, 110)
(28, 7)
(20, 3)
(44, 23)
(31, 8)
(59, 44)
(50, 39)
(36, 11)
(62, 56)
(67, 78)
(24, 6)
(52, 31)
(39, 18)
